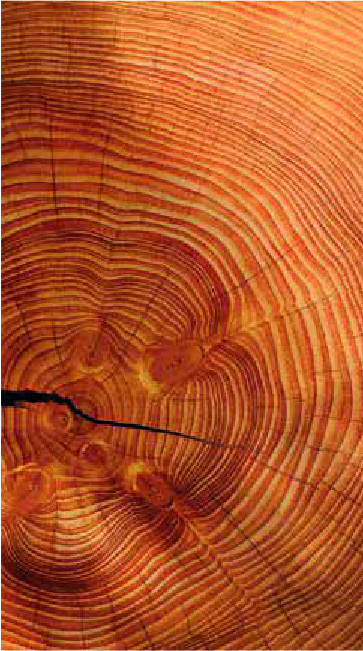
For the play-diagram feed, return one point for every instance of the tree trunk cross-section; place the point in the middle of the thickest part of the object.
(182, 249)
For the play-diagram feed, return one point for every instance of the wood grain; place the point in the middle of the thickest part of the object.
(183, 248)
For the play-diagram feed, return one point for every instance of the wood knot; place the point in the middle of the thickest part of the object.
(150, 485)
(95, 454)
(91, 351)
(54, 417)
(168, 364)
(25, 489)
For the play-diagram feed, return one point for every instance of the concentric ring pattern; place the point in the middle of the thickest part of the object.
(183, 248)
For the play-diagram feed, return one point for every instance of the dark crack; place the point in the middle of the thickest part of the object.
(18, 399)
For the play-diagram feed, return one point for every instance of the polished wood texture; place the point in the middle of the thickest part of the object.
(183, 248)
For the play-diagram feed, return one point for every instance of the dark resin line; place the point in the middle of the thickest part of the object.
(11, 398)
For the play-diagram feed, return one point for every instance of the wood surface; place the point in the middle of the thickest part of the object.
(182, 247)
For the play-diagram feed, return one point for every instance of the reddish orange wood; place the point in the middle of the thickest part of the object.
(183, 248)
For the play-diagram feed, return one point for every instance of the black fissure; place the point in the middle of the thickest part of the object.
(11, 398)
